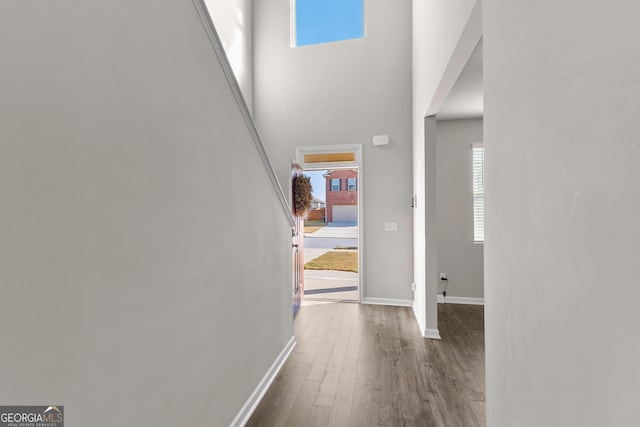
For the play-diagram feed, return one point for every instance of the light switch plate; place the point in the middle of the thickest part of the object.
(390, 226)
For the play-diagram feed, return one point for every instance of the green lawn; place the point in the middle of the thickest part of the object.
(335, 260)
(312, 226)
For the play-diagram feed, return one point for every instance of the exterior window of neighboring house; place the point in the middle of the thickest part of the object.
(351, 184)
(324, 21)
(335, 185)
(478, 193)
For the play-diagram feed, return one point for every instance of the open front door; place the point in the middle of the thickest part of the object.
(297, 246)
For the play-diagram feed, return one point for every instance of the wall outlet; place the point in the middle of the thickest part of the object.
(443, 276)
(413, 287)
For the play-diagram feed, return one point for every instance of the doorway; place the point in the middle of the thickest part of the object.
(332, 236)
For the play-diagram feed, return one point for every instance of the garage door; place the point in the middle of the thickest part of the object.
(345, 213)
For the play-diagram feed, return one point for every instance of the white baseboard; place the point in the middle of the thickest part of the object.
(252, 403)
(388, 301)
(433, 334)
(460, 300)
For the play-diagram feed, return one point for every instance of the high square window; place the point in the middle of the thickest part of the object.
(324, 21)
(335, 185)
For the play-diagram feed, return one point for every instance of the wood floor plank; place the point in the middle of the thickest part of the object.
(355, 336)
(343, 399)
(282, 394)
(319, 417)
(310, 335)
(319, 365)
(329, 384)
(382, 379)
(301, 410)
(401, 395)
(365, 365)
(361, 413)
(479, 412)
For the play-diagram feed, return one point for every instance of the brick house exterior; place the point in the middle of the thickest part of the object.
(342, 195)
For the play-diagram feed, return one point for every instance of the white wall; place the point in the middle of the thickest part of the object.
(437, 27)
(345, 93)
(458, 256)
(561, 252)
(233, 20)
(134, 277)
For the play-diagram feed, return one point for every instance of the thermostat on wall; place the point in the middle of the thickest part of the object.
(381, 140)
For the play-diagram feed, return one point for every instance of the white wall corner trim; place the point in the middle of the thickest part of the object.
(460, 300)
(252, 403)
(433, 334)
(388, 301)
(419, 318)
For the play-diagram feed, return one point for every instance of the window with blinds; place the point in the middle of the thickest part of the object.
(478, 193)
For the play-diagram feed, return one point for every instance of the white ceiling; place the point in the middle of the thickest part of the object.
(465, 101)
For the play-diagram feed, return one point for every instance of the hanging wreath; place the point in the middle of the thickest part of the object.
(301, 194)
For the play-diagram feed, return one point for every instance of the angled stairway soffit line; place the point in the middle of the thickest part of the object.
(471, 35)
(235, 87)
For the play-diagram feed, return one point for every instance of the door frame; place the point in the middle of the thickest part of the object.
(297, 244)
(355, 164)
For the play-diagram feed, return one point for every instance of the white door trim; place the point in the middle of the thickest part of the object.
(357, 163)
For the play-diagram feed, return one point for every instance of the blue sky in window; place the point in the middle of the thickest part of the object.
(323, 21)
(318, 183)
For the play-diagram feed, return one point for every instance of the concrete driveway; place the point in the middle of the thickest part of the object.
(334, 234)
(344, 230)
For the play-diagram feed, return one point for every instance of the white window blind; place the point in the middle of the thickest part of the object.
(478, 192)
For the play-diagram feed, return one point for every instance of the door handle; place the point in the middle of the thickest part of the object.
(295, 245)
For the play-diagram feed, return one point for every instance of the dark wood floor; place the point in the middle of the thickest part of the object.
(367, 365)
